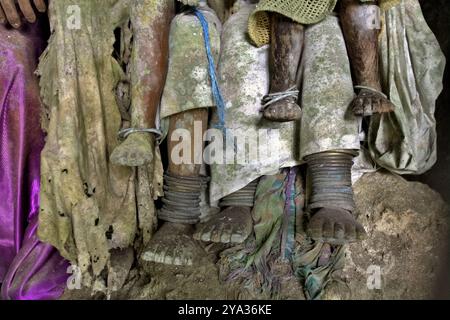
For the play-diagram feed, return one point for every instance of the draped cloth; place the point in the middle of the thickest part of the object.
(188, 84)
(243, 92)
(412, 67)
(29, 269)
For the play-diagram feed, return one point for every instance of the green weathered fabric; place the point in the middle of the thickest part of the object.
(88, 205)
(257, 264)
(316, 278)
(188, 85)
(270, 200)
(268, 215)
(244, 80)
(412, 66)
(327, 91)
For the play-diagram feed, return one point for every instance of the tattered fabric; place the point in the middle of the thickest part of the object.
(90, 205)
(412, 66)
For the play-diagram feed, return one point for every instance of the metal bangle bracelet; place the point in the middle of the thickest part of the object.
(124, 133)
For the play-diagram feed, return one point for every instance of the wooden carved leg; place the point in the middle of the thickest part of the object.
(286, 51)
(359, 23)
(234, 224)
(173, 243)
(149, 62)
(187, 120)
(331, 201)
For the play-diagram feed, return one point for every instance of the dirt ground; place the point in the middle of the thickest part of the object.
(407, 224)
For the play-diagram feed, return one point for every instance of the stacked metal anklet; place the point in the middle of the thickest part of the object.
(242, 198)
(331, 180)
(181, 202)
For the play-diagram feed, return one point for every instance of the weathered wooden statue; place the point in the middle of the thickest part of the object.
(329, 134)
(185, 102)
(328, 149)
(361, 26)
(91, 204)
(308, 53)
(312, 57)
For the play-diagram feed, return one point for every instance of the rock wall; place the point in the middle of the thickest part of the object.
(407, 225)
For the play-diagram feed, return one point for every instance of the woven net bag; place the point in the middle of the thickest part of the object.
(301, 11)
(388, 4)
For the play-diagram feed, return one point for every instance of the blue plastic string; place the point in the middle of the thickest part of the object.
(290, 208)
(220, 104)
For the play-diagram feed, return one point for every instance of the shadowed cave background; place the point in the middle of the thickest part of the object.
(437, 14)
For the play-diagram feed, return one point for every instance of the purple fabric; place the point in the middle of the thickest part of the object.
(29, 269)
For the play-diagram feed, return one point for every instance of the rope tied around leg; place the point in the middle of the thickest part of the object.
(272, 98)
(371, 90)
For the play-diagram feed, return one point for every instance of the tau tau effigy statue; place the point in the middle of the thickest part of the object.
(99, 111)
(268, 112)
(315, 71)
(328, 90)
